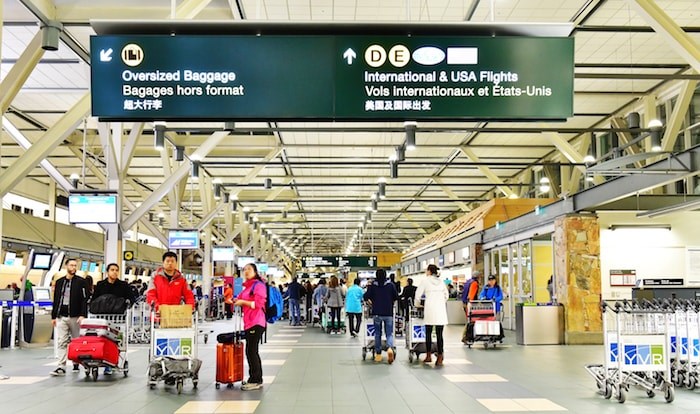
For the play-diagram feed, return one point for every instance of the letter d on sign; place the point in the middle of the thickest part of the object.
(375, 56)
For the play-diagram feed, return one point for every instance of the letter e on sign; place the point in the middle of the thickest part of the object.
(375, 56)
(399, 56)
(132, 55)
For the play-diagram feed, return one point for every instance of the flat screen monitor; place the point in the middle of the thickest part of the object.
(41, 261)
(223, 254)
(92, 208)
(272, 270)
(84, 266)
(93, 267)
(6, 295)
(262, 267)
(10, 258)
(244, 260)
(183, 239)
(42, 294)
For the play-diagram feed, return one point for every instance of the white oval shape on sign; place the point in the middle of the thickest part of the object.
(428, 55)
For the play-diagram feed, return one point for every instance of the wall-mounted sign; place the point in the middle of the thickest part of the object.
(339, 261)
(334, 77)
(662, 282)
(623, 277)
(128, 255)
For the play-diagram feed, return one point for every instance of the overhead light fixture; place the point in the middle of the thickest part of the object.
(655, 127)
(359, 225)
(381, 179)
(687, 206)
(179, 153)
(234, 206)
(591, 154)
(400, 153)
(226, 197)
(544, 185)
(246, 209)
(590, 178)
(255, 219)
(195, 157)
(410, 127)
(394, 169)
(639, 226)
(159, 137)
(382, 190)
(217, 191)
(229, 126)
(368, 208)
(655, 123)
(74, 178)
(284, 214)
(50, 34)
(513, 196)
(633, 121)
(374, 205)
(195, 170)
(268, 183)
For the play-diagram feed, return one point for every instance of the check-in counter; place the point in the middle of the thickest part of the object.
(539, 324)
(455, 313)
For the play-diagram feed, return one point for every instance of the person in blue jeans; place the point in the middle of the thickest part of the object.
(353, 307)
(381, 296)
(296, 292)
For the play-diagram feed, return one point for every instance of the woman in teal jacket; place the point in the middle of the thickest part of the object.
(353, 307)
(492, 292)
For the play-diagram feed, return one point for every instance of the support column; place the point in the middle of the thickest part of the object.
(111, 140)
(207, 272)
(577, 277)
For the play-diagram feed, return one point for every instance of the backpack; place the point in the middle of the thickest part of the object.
(108, 304)
(273, 303)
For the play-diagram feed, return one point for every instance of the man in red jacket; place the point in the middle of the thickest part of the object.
(167, 286)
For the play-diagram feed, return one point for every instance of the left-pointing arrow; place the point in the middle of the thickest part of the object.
(106, 55)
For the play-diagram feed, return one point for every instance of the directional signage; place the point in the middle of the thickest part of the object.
(339, 261)
(194, 77)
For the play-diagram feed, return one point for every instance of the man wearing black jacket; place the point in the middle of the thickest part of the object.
(112, 285)
(69, 308)
(381, 296)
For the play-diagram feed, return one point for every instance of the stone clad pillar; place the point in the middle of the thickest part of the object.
(577, 275)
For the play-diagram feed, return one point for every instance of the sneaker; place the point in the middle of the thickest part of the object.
(76, 368)
(108, 371)
(251, 386)
(58, 372)
(390, 355)
(378, 358)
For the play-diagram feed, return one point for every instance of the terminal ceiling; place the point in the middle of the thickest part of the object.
(324, 174)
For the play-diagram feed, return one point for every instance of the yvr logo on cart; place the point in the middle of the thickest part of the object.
(173, 346)
(418, 332)
(644, 355)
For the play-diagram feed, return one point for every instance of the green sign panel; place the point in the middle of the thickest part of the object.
(331, 77)
(338, 261)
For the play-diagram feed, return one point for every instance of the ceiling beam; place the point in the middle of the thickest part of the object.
(189, 9)
(488, 173)
(20, 71)
(664, 25)
(45, 145)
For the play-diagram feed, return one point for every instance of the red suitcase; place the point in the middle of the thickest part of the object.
(229, 363)
(93, 348)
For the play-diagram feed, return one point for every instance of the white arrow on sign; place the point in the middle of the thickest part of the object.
(349, 55)
(106, 55)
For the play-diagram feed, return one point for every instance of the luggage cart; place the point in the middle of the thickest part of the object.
(316, 313)
(368, 334)
(140, 324)
(415, 334)
(398, 321)
(173, 350)
(637, 351)
(483, 324)
(326, 320)
(118, 324)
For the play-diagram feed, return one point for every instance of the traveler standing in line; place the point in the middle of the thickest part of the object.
(168, 287)
(320, 292)
(492, 291)
(296, 292)
(112, 285)
(69, 308)
(381, 296)
(309, 297)
(407, 295)
(252, 299)
(353, 307)
(435, 313)
(228, 300)
(334, 299)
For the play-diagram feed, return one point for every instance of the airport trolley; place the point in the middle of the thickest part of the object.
(174, 347)
(368, 333)
(637, 351)
(415, 333)
(118, 327)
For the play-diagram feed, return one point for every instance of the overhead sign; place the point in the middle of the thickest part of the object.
(92, 208)
(339, 261)
(195, 77)
(663, 282)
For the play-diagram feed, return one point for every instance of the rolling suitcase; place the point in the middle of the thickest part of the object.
(229, 354)
(93, 348)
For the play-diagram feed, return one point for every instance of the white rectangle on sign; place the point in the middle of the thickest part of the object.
(462, 56)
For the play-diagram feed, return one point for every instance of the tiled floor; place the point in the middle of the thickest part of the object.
(321, 373)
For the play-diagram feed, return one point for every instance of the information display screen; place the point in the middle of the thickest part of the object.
(223, 254)
(42, 294)
(84, 266)
(86, 209)
(10, 258)
(183, 239)
(244, 260)
(41, 261)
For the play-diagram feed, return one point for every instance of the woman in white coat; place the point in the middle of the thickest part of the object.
(435, 312)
